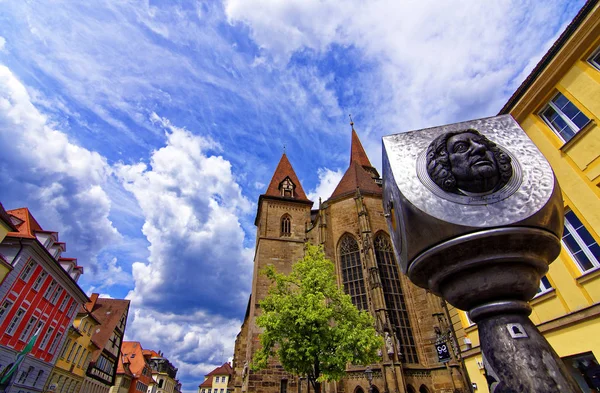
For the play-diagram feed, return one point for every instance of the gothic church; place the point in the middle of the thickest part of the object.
(353, 231)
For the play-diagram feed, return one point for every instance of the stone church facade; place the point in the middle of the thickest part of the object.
(352, 228)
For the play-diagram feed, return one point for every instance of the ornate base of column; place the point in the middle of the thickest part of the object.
(517, 358)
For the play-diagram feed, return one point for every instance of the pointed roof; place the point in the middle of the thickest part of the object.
(28, 224)
(360, 173)
(284, 169)
(357, 152)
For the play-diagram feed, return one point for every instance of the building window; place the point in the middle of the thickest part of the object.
(15, 321)
(580, 243)
(63, 304)
(564, 117)
(76, 355)
(56, 295)
(39, 375)
(71, 351)
(282, 386)
(46, 337)
(54, 344)
(50, 290)
(71, 309)
(28, 271)
(25, 374)
(39, 280)
(595, 59)
(160, 383)
(545, 286)
(394, 297)
(28, 329)
(352, 272)
(65, 349)
(4, 310)
(286, 225)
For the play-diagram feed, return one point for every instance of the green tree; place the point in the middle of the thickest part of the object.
(311, 325)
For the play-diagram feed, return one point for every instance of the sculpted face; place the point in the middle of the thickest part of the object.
(472, 163)
(466, 162)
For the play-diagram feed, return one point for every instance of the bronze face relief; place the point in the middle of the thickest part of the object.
(469, 166)
(466, 162)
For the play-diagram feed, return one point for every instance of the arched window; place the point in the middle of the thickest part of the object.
(286, 225)
(359, 390)
(423, 389)
(352, 271)
(394, 297)
(410, 389)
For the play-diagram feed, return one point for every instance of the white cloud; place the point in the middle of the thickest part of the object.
(195, 283)
(2, 43)
(328, 180)
(59, 181)
(430, 62)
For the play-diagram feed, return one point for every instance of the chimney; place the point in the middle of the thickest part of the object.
(93, 300)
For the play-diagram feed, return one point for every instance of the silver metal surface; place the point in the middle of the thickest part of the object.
(534, 191)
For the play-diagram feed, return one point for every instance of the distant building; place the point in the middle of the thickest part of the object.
(217, 380)
(75, 355)
(40, 294)
(6, 226)
(141, 381)
(124, 376)
(163, 372)
(108, 337)
(558, 106)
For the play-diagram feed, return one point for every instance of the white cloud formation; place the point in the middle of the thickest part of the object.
(59, 181)
(2, 43)
(190, 292)
(328, 180)
(433, 62)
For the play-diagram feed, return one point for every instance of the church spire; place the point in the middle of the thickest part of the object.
(360, 173)
(285, 183)
(357, 152)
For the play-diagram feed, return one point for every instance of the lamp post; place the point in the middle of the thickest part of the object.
(369, 375)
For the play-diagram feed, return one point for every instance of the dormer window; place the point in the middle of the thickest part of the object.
(287, 188)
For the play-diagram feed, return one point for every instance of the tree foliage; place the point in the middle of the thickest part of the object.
(311, 325)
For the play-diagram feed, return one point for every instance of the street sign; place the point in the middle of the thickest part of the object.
(442, 352)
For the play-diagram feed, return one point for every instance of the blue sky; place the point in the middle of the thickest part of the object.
(144, 131)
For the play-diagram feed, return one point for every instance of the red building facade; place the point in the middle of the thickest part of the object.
(39, 294)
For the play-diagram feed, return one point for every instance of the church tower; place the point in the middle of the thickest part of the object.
(282, 217)
(352, 228)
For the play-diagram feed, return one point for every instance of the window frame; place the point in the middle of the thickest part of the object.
(15, 322)
(28, 271)
(39, 280)
(572, 126)
(545, 286)
(46, 338)
(6, 306)
(581, 243)
(594, 59)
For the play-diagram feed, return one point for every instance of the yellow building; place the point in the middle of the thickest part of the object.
(558, 106)
(69, 371)
(217, 380)
(6, 226)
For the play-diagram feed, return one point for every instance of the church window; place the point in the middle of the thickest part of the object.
(287, 188)
(352, 272)
(394, 297)
(286, 225)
